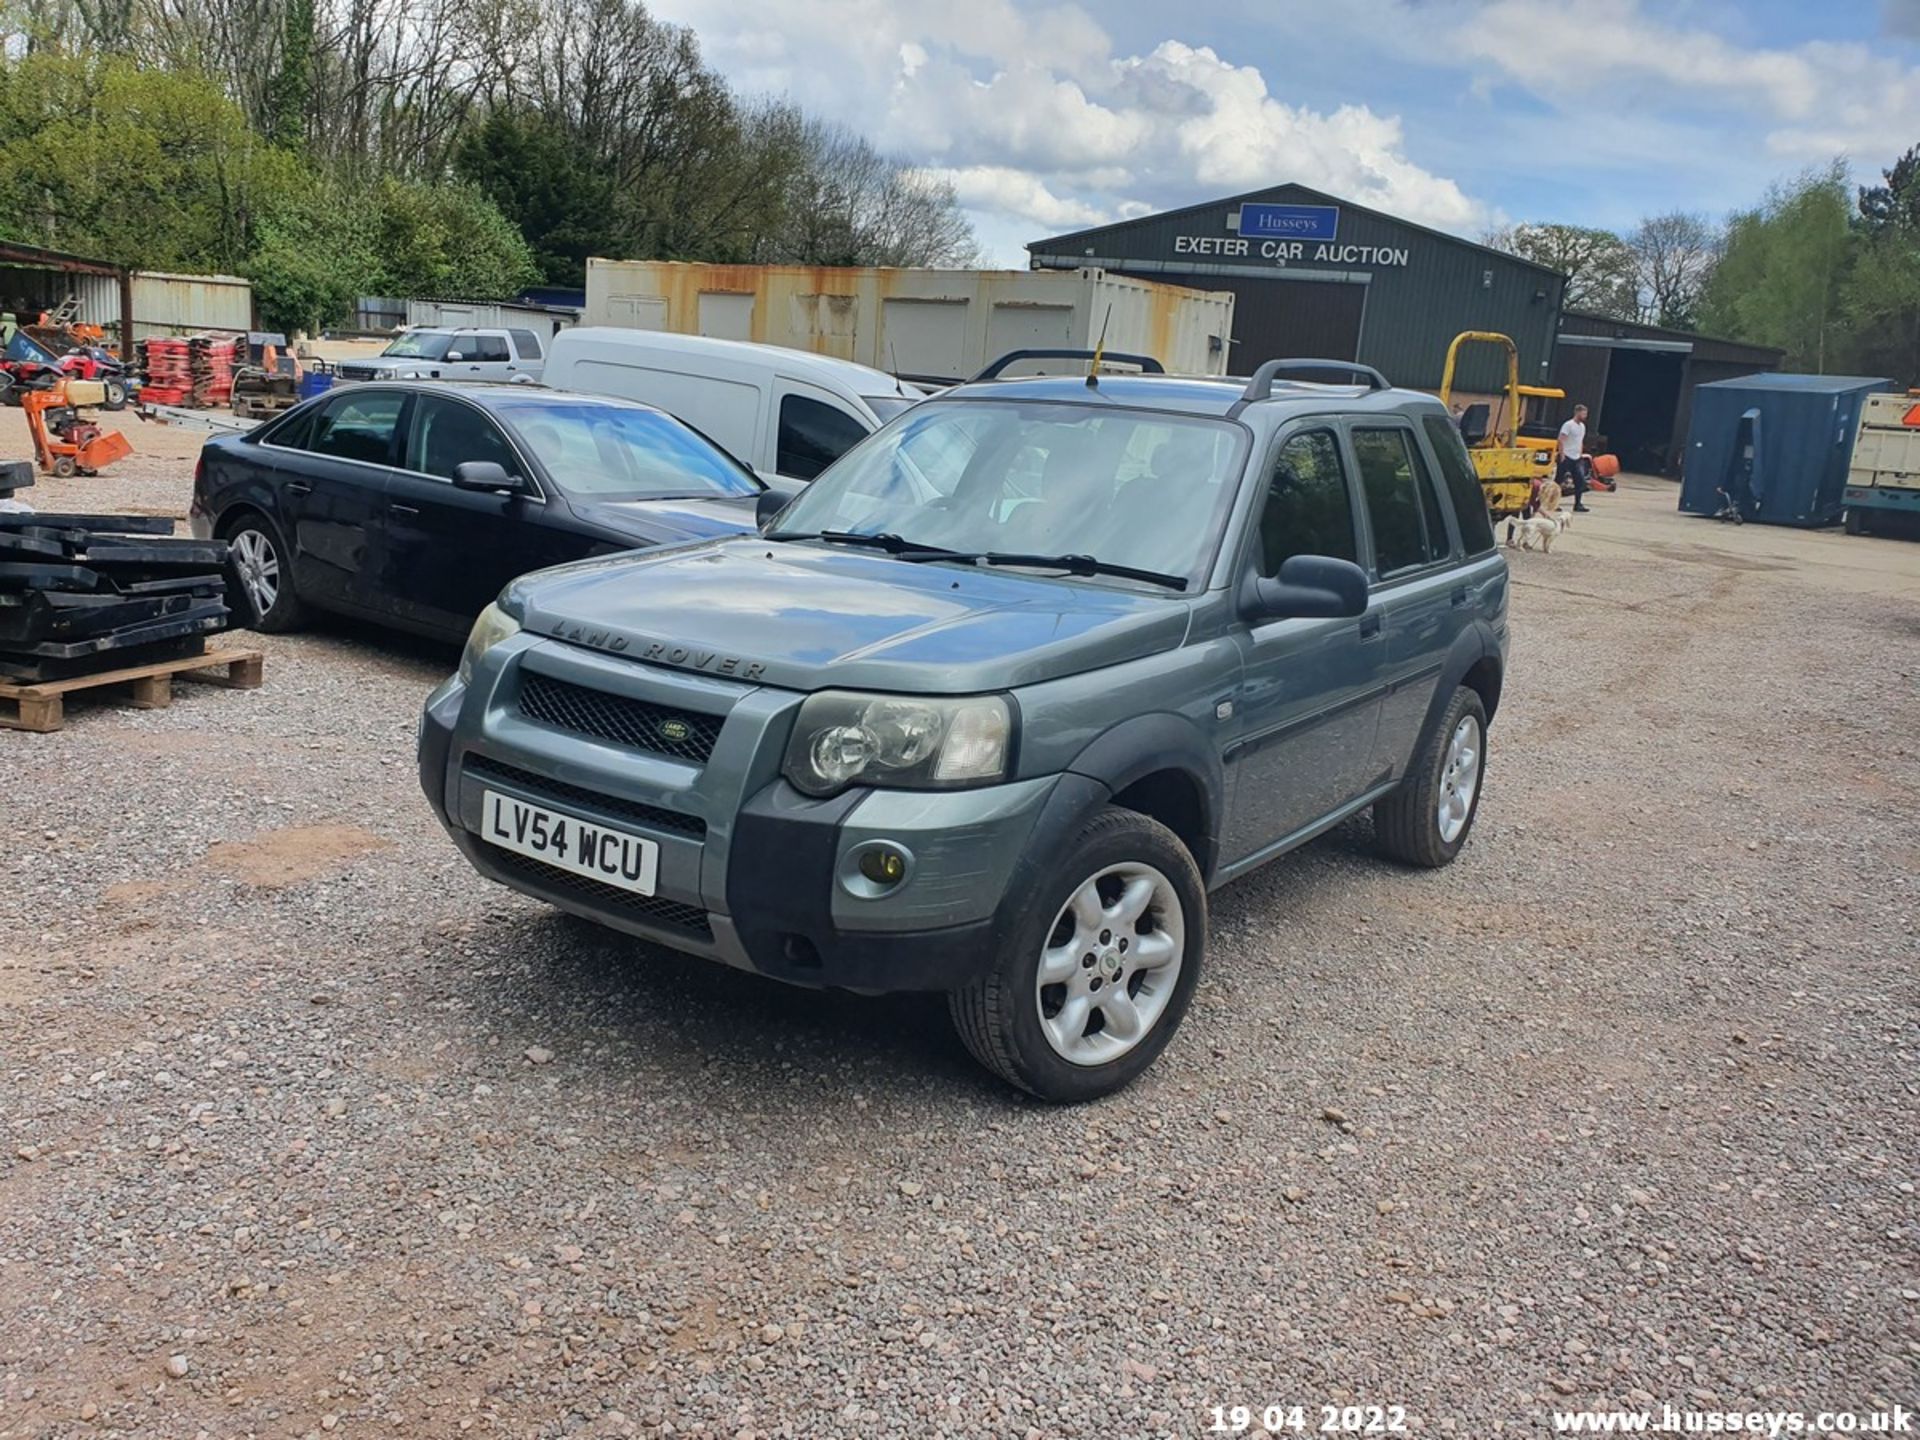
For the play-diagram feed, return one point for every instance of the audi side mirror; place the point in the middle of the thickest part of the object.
(770, 504)
(1309, 587)
(486, 475)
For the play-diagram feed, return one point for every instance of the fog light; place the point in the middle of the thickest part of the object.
(883, 865)
(876, 868)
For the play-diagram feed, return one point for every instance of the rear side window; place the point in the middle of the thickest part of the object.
(293, 433)
(525, 344)
(1400, 502)
(1463, 485)
(482, 348)
(813, 436)
(1308, 510)
(358, 426)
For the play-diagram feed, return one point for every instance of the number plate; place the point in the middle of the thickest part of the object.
(568, 843)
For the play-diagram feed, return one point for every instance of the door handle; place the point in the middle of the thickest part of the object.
(299, 487)
(404, 509)
(1369, 626)
(1460, 595)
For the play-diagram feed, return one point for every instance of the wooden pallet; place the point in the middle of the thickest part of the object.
(41, 707)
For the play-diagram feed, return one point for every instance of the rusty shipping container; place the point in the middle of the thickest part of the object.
(925, 324)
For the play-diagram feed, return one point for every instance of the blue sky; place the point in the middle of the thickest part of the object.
(1462, 114)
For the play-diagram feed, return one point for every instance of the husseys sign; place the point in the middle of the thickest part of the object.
(1287, 235)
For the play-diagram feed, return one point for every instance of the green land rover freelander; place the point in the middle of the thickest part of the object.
(993, 704)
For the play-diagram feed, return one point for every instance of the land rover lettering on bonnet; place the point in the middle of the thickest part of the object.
(1035, 668)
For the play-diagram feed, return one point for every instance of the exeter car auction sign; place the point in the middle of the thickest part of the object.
(1286, 235)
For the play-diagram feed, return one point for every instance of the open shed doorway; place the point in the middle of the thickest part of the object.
(1641, 404)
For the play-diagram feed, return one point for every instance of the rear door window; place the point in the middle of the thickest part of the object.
(447, 433)
(812, 436)
(359, 426)
(525, 344)
(293, 432)
(1463, 485)
(1401, 506)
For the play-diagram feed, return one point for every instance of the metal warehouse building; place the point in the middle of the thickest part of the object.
(1312, 275)
(1638, 382)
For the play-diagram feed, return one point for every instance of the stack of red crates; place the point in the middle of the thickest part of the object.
(164, 371)
(211, 364)
(193, 370)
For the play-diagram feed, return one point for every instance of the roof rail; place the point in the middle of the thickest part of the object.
(1147, 363)
(1260, 387)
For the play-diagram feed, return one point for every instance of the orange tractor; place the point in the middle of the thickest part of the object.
(63, 443)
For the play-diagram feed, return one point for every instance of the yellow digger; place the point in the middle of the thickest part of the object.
(1506, 461)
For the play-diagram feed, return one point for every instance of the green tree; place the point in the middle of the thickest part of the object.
(1597, 263)
(446, 241)
(292, 89)
(150, 167)
(1783, 277)
(1882, 292)
(541, 178)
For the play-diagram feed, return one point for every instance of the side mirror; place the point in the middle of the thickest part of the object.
(486, 475)
(770, 504)
(455, 355)
(1310, 587)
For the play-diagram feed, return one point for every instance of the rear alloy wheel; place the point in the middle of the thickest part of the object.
(1090, 986)
(1426, 821)
(260, 584)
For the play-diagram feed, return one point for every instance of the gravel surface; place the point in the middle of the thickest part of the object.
(305, 1129)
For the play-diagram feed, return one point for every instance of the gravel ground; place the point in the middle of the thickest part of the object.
(157, 479)
(306, 1130)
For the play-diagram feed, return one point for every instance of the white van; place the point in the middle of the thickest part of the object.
(782, 412)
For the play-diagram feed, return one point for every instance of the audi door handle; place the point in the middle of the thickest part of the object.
(1369, 626)
(299, 487)
(404, 509)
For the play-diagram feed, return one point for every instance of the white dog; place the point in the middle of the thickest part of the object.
(1524, 531)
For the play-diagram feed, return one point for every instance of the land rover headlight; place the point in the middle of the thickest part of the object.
(908, 742)
(493, 626)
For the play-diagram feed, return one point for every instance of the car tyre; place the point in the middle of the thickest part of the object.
(1427, 820)
(259, 578)
(1126, 896)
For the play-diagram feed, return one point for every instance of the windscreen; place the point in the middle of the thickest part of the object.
(597, 451)
(1128, 487)
(420, 345)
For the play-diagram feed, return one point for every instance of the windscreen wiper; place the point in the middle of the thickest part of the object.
(1083, 565)
(886, 540)
(902, 548)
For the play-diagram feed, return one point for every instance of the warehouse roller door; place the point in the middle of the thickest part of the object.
(1318, 319)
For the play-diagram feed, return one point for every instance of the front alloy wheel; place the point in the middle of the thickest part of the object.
(1093, 974)
(1111, 965)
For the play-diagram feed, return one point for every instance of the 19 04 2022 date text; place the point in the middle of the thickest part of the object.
(1317, 1419)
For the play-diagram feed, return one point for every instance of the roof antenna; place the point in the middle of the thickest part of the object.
(893, 363)
(1093, 366)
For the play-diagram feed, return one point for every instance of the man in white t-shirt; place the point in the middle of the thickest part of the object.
(1568, 471)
